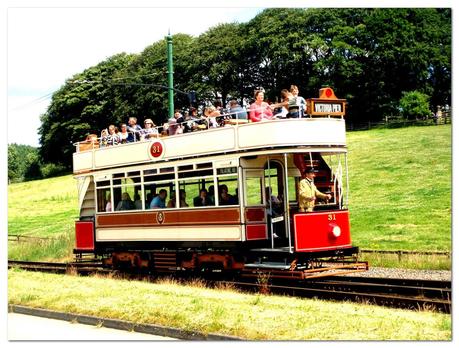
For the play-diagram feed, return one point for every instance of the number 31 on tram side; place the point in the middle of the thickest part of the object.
(222, 199)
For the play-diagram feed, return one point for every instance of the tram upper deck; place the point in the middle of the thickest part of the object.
(276, 134)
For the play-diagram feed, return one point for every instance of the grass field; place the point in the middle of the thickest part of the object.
(400, 188)
(400, 196)
(223, 311)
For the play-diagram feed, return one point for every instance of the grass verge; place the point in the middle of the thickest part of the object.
(416, 261)
(195, 308)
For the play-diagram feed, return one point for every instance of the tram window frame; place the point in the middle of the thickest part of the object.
(103, 183)
(132, 188)
(200, 182)
(154, 188)
(206, 165)
(200, 173)
(222, 179)
(102, 194)
(259, 191)
(151, 178)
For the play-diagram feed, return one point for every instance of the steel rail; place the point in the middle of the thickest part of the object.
(401, 293)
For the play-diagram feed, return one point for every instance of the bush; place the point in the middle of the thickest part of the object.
(415, 105)
(49, 170)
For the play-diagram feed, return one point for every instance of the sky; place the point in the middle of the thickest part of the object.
(46, 46)
(48, 41)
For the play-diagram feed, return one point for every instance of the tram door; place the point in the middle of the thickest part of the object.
(264, 205)
(274, 202)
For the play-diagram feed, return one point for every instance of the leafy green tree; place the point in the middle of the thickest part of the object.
(13, 164)
(85, 104)
(414, 105)
(23, 163)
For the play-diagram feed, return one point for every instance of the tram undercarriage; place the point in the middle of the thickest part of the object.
(277, 263)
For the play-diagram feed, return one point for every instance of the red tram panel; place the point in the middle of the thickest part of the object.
(322, 231)
(84, 235)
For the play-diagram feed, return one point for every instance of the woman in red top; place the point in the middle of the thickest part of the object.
(260, 110)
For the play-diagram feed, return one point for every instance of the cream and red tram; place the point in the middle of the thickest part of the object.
(258, 226)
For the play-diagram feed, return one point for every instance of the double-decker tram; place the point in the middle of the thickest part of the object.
(222, 199)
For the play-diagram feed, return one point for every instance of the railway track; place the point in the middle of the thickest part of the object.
(401, 293)
(83, 268)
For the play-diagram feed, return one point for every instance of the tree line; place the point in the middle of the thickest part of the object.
(371, 57)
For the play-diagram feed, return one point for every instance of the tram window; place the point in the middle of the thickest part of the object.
(254, 193)
(160, 177)
(166, 170)
(292, 188)
(151, 190)
(119, 175)
(103, 183)
(133, 174)
(192, 188)
(150, 171)
(196, 173)
(228, 193)
(128, 194)
(103, 198)
(204, 165)
(186, 167)
(271, 179)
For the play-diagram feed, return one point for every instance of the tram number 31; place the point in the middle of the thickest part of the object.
(331, 217)
(156, 149)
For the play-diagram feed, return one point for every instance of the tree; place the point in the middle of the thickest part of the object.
(414, 105)
(85, 104)
(13, 164)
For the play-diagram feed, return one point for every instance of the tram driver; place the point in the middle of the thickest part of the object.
(308, 192)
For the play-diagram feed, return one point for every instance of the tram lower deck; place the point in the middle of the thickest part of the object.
(219, 213)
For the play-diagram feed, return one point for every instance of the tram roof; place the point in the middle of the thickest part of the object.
(323, 134)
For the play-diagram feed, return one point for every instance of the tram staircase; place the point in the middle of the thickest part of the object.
(322, 178)
(88, 206)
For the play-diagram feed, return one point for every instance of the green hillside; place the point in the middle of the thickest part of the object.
(400, 194)
(400, 188)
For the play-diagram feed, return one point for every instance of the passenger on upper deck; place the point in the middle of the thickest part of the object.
(126, 203)
(133, 129)
(299, 101)
(160, 200)
(237, 111)
(260, 110)
(113, 137)
(283, 105)
(210, 113)
(308, 192)
(190, 123)
(174, 123)
(123, 135)
(103, 138)
(148, 132)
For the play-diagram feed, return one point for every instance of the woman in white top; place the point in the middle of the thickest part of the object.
(149, 131)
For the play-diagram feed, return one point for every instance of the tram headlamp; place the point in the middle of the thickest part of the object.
(335, 230)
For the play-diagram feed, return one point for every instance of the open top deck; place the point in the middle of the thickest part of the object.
(275, 134)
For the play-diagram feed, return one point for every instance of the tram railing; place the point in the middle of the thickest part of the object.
(92, 141)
